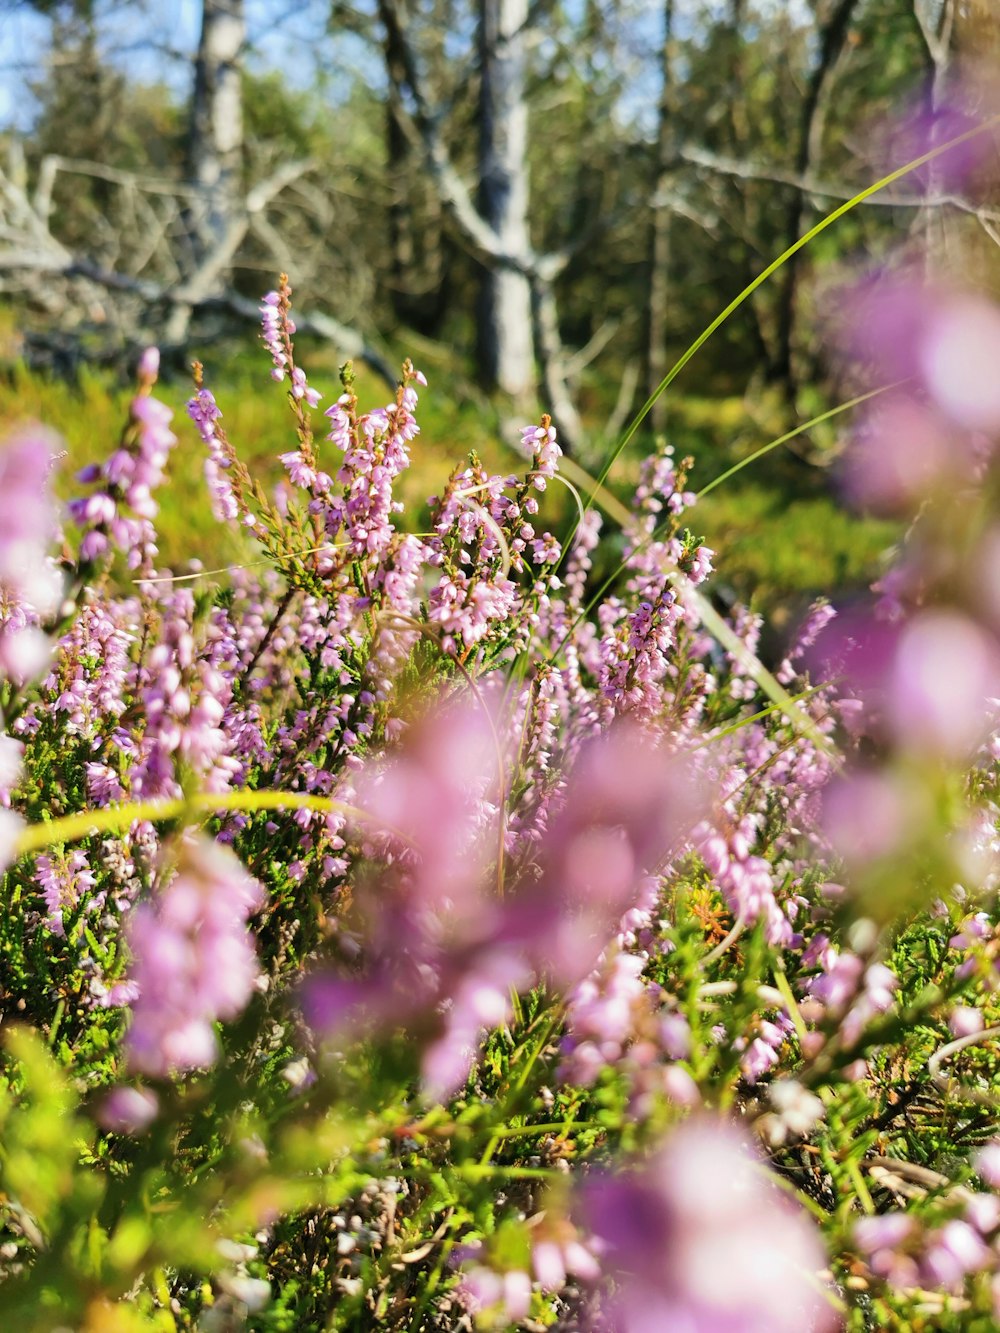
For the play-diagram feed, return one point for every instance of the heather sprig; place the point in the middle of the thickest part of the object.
(414, 933)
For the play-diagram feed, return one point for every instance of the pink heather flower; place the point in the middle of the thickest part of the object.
(204, 412)
(193, 960)
(11, 756)
(625, 807)
(841, 980)
(929, 431)
(963, 1021)
(301, 389)
(679, 1086)
(819, 617)
(66, 879)
(952, 1252)
(881, 1240)
(270, 315)
(986, 1162)
(24, 650)
(928, 126)
(149, 365)
(797, 1111)
(901, 452)
(121, 511)
(11, 826)
(128, 1110)
(885, 1231)
(437, 959)
(944, 669)
(866, 816)
(376, 451)
(958, 356)
(505, 1295)
(697, 1239)
(27, 516)
(440, 791)
(540, 442)
(103, 784)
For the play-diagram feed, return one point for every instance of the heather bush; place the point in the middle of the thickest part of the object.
(412, 928)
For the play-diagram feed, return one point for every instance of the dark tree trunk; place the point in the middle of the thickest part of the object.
(832, 37)
(419, 286)
(658, 308)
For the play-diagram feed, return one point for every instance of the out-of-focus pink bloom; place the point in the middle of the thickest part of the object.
(964, 1021)
(900, 452)
(939, 349)
(680, 1086)
(881, 1240)
(953, 1251)
(128, 1110)
(926, 127)
(796, 1111)
(505, 1296)
(922, 684)
(437, 960)
(443, 948)
(987, 1163)
(27, 517)
(944, 670)
(958, 356)
(10, 828)
(697, 1239)
(440, 793)
(193, 960)
(30, 585)
(626, 805)
(11, 757)
(840, 980)
(866, 816)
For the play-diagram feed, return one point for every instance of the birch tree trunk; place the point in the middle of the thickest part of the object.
(938, 21)
(505, 345)
(216, 224)
(215, 144)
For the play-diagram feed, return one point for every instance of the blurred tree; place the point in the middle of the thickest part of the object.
(608, 174)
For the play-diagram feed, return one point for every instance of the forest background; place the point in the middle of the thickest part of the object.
(543, 202)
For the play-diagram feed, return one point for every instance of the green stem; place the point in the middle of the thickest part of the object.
(117, 818)
(773, 267)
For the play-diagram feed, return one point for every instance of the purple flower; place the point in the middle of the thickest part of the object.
(696, 1239)
(193, 960)
(66, 879)
(128, 1110)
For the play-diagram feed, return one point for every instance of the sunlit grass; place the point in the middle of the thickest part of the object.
(781, 537)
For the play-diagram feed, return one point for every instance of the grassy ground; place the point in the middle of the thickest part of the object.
(777, 527)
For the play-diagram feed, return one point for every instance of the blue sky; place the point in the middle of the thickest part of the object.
(154, 41)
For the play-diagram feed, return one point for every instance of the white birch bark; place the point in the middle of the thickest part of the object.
(215, 150)
(505, 343)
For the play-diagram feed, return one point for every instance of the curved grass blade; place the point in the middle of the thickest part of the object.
(776, 264)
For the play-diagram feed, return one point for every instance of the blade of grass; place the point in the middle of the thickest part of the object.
(776, 264)
(117, 818)
(790, 435)
(734, 727)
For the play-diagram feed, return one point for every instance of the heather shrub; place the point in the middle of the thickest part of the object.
(410, 928)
